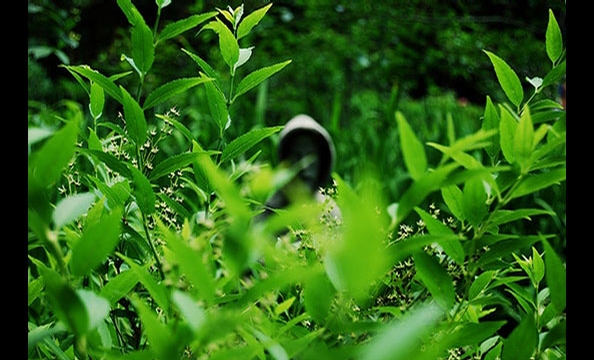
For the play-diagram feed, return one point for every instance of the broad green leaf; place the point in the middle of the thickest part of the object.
(208, 70)
(47, 163)
(490, 122)
(97, 100)
(158, 291)
(163, 3)
(522, 342)
(227, 42)
(111, 161)
(94, 142)
(195, 265)
(554, 39)
(162, 342)
(143, 191)
(500, 217)
(170, 89)
(507, 132)
(402, 339)
(276, 351)
(480, 284)
(533, 183)
(176, 28)
(362, 245)
(505, 248)
(251, 20)
(412, 149)
(108, 85)
(253, 79)
(524, 140)
(472, 334)
(435, 227)
(217, 104)
(474, 200)
(143, 48)
(555, 75)
(436, 279)
(462, 158)
(172, 164)
(71, 208)
(556, 277)
(509, 81)
(421, 188)
(119, 286)
(538, 266)
(97, 241)
(318, 294)
(135, 120)
(36, 134)
(97, 307)
(132, 14)
(452, 196)
(65, 302)
(284, 306)
(246, 141)
(193, 314)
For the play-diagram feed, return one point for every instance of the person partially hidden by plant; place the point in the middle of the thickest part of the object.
(306, 147)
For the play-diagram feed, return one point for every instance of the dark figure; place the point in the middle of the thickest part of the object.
(306, 144)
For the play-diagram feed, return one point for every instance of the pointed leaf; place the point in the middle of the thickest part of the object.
(97, 307)
(135, 120)
(507, 131)
(143, 49)
(170, 89)
(412, 149)
(556, 277)
(108, 85)
(172, 164)
(97, 100)
(554, 40)
(435, 227)
(143, 191)
(217, 104)
(71, 208)
(111, 161)
(509, 81)
(227, 42)
(474, 200)
(158, 292)
(119, 286)
(208, 70)
(253, 79)
(98, 240)
(251, 20)
(452, 196)
(534, 183)
(490, 122)
(524, 140)
(160, 338)
(522, 342)
(176, 28)
(436, 279)
(246, 141)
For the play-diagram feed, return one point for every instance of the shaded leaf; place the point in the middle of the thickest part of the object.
(436, 279)
(522, 342)
(143, 191)
(181, 26)
(254, 78)
(556, 277)
(172, 164)
(533, 183)
(119, 286)
(170, 89)
(108, 85)
(135, 120)
(246, 141)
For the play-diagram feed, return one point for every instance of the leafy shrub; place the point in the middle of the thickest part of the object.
(134, 254)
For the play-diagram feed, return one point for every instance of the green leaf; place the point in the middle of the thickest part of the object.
(412, 149)
(97, 100)
(522, 342)
(533, 183)
(96, 306)
(111, 161)
(108, 85)
(556, 277)
(47, 163)
(402, 339)
(119, 286)
(284, 306)
(170, 89)
(555, 75)
(452, 196)
(246, 141)
(251, 20)
(208, 70)
(479, 284)
(507, 132)
(318, 294)
(436, 279)
(253, 79)
(195, 265)
(471, 334)
(227, 42)
(554, 39)
(490, 122)
(132, 14)
(97, 241)
(176, 28)
(474, 200)
(143, 49)
(524, 140)
(161, 339)
(435, 227)
(71, 208)
(500, 217)
(135, 120)
(217, 104)
(143, 191)
(509, 81)
(158, 291)
(192, 312)
(172, 164)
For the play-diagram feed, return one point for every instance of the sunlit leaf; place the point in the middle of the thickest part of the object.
(412, 149)
(509, 81)
(71, 208)
(246, 141)
(554, 39)
(178, 27)
(253, 79)
(251, 20)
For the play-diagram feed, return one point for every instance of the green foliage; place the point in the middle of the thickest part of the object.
(133, 253)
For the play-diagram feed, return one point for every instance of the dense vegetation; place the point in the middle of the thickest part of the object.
(145, 175)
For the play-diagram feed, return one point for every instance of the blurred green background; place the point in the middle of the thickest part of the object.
(353, 64)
